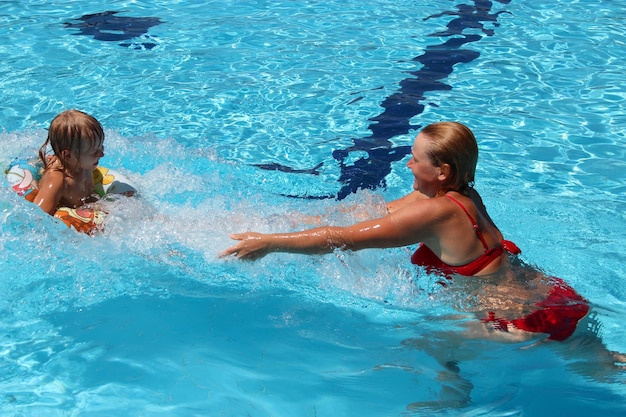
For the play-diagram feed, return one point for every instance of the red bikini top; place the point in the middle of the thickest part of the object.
(425, 257)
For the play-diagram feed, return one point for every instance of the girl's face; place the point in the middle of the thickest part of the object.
(89, 156)
(427, 177)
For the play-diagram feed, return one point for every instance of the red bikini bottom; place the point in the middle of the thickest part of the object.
(557, 315)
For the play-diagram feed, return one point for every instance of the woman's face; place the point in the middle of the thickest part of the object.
(427, 177)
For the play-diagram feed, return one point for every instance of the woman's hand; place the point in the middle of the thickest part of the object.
(252, 246)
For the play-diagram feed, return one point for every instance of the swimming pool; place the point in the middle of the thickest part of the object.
(145, 320)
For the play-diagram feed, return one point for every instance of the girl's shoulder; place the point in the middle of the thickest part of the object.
(52, 177)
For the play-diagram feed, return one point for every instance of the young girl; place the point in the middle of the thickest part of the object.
(77, 140)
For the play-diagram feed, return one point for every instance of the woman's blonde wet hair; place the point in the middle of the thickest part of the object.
(72, 130)
(454, 144)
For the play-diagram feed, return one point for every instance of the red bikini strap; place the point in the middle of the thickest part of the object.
(476, 227)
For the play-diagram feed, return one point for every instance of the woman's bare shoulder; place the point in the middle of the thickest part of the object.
(424, 214)
(406, 200)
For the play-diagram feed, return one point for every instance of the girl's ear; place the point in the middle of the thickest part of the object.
(65, 154)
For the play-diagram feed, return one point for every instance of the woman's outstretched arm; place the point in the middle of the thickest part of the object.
(401, 228)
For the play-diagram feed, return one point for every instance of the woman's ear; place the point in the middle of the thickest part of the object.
(444, 172)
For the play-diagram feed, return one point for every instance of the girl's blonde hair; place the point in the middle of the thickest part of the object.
(71, 131)
(454, 144)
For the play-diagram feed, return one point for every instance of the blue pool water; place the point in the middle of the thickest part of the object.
(146, 320)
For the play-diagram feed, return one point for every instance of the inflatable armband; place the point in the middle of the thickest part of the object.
(108, 181)
(23, 177)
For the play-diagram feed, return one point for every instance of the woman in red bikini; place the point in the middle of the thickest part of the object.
(456, 237)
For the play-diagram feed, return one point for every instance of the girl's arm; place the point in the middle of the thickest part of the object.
(50, 191)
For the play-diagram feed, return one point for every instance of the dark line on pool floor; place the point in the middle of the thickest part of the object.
(108, 27)
(370, 171)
